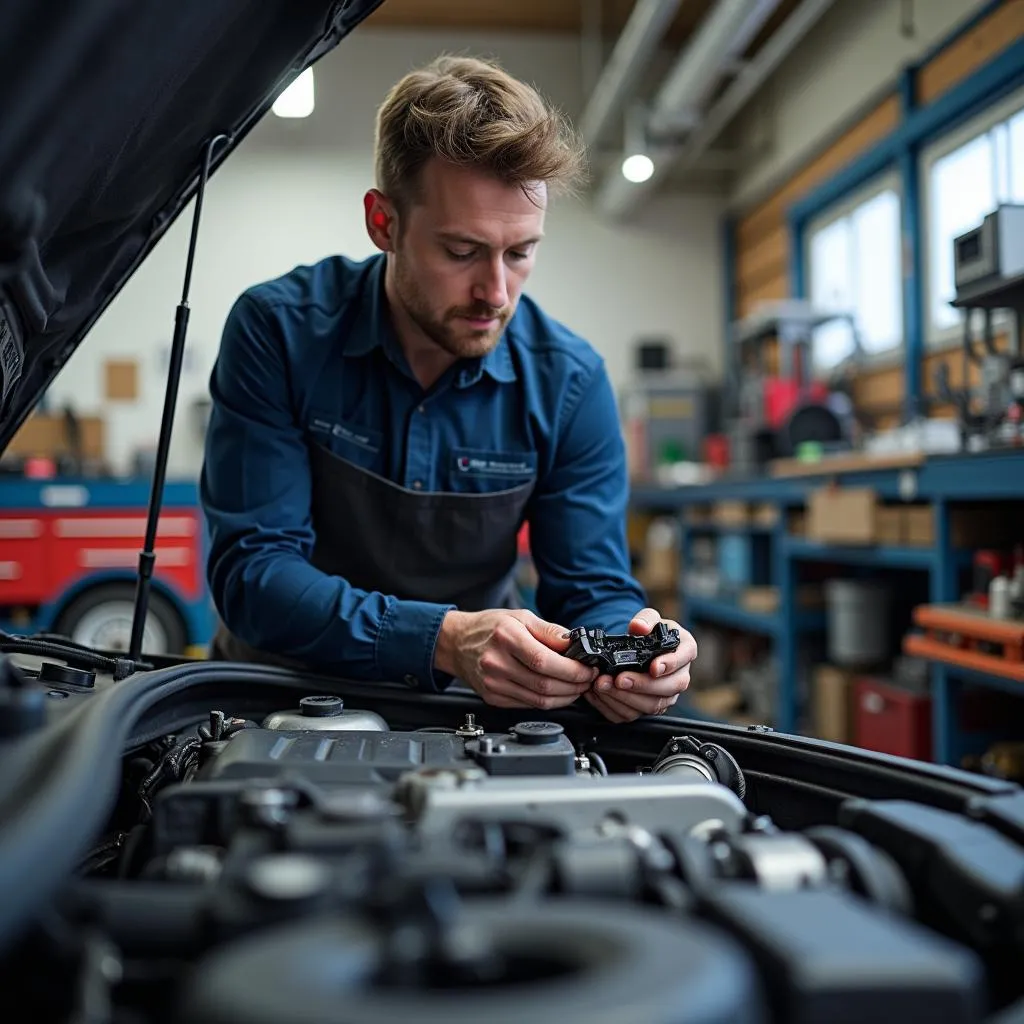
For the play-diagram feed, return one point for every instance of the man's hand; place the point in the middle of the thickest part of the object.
(512, 659)
(628, 696)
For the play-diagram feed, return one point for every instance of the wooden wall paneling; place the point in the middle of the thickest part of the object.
(870, 129)
(774, 288)
(973, 49)
(768, 259)
(874, 127)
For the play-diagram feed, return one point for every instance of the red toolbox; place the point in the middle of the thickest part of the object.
(892, 719)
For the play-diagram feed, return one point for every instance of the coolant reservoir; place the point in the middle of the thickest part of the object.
(325, 713)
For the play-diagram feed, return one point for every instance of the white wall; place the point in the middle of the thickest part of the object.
(854, 52)
(292, 194)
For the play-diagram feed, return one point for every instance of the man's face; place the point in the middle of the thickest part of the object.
(463, 252)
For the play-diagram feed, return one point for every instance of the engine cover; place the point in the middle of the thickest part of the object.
(350, 757)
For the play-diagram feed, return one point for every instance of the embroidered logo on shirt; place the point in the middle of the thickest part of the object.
(506, 464)
(351, 432)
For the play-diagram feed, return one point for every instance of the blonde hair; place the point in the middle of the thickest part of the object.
(472, 113)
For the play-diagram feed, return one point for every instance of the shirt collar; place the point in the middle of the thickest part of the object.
(372, 328)
(497, 364)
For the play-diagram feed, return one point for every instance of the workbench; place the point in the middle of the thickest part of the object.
(940, 481)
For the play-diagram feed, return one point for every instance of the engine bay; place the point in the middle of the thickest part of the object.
(337, 859)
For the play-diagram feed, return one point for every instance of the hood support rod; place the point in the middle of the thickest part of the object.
(147, 557)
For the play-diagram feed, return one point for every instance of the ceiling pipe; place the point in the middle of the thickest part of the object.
(648, 22)
(772, 54)
(720, 41)
(617, 196)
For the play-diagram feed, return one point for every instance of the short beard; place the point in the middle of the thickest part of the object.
(450, 333)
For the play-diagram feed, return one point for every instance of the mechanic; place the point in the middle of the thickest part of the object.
(381, 429)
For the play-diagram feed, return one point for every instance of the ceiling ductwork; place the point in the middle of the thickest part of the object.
(637, 43)
(719, 43)
(678, 126)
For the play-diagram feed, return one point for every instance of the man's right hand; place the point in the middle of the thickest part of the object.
(512, 659)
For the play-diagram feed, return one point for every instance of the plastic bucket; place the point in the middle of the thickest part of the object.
(858, 621)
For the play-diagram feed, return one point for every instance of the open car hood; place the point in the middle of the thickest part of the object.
(107, 110)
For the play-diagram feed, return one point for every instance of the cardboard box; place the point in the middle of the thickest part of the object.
(831, 703)
(796, 522)
(731, 513)
(991, 526)
(764, 600)
(843, 515)
(764, 515)
(718, 701)
(889, 524)
(47, 437)
(659, 557)
(919, 526)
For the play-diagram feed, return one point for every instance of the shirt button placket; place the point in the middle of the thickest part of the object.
(418, 471)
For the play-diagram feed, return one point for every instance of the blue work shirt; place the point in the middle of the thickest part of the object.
(311, 357)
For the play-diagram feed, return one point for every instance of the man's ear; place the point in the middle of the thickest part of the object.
(379, 219)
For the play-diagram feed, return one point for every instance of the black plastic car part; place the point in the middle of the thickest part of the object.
(577, 963)
(612, 653)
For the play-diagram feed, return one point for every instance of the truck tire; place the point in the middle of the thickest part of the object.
(101, 617)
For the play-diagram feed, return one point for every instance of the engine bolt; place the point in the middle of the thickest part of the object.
(269, 806)
(469, 728)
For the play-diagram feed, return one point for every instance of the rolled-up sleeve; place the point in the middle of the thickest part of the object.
(578, 517)
(255, 491)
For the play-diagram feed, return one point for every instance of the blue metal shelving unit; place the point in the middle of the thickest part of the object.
(728, 613)
(876, 555)
(938, 481)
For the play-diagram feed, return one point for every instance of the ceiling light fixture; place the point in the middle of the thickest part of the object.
(298, 99)
(637, 168)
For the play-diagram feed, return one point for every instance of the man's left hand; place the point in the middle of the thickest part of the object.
(626, 697)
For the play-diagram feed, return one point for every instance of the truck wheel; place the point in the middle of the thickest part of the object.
(101, 617)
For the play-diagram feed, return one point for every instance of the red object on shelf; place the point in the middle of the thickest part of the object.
(892, 720)
(987, 564)
(716, 451)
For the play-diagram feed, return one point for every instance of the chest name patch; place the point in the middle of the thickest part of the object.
(352, 433)
(510, 464)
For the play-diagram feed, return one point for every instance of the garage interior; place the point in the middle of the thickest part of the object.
(801, 256)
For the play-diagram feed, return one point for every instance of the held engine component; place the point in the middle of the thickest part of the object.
(612, 653)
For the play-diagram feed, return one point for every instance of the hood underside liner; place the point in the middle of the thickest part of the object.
(108, 107)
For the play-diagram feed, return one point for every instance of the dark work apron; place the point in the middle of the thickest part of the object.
(445, 548)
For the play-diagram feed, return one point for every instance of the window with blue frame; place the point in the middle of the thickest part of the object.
(966, 175)
(853, 267)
